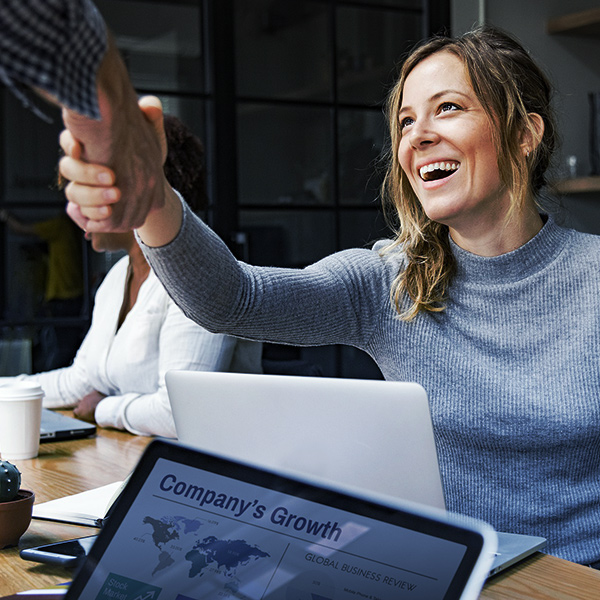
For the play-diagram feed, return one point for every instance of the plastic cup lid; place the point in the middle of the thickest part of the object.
(20, 389)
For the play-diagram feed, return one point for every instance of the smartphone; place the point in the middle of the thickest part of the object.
(67, 554)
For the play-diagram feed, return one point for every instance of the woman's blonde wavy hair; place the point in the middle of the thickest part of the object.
(510, 86)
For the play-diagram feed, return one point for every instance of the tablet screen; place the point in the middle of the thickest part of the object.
(200, 527)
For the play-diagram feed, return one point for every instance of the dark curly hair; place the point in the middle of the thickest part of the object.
(185, 167)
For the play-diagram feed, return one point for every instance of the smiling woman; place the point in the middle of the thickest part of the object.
(472, 134)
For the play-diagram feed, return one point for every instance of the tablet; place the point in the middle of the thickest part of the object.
(191, 525)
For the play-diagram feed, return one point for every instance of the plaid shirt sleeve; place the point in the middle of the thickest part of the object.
(55, 45)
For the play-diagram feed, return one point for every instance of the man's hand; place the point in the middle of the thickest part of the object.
(126, 141)
(95, 188)
(86, 407)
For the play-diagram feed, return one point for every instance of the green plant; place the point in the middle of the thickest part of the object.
(10, 481)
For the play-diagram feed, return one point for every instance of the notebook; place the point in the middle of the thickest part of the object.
(89, 507)
(192, 525)
(348, 431)
(57, 427)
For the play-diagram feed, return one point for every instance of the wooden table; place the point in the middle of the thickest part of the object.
(63, 468)
(71, 467)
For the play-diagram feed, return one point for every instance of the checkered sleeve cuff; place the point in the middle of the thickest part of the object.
(55, 45)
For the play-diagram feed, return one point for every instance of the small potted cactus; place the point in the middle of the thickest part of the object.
(16, 505)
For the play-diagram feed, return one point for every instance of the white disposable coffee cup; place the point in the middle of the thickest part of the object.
(20, 416)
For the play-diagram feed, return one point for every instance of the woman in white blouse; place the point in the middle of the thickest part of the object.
(137, 333)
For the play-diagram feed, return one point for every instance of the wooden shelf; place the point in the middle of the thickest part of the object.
(579, 185)
(586, 22)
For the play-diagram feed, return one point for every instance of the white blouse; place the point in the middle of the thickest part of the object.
(128, 365)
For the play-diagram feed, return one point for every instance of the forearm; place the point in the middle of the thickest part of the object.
(140, 414)
(296, 306)
(63, 388)
(162, 225)
(115, 94)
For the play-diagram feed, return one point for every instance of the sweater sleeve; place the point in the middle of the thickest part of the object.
(331, 302)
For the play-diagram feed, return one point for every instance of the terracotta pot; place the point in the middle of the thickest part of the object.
(15, 517)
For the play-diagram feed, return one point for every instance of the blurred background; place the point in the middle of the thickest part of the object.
(287, 96)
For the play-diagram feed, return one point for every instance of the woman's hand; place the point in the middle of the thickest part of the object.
(91, 191)
(86, 407)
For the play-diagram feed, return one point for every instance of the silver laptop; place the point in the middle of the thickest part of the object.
(56, 427)
(348, 431)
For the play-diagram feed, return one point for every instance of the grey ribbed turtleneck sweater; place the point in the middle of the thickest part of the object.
(511, 366)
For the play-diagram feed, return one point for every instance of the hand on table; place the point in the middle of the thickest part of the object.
(86, 407)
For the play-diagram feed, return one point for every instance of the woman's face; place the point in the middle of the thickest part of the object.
(446, 147)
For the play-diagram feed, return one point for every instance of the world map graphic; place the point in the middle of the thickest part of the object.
(176, 537)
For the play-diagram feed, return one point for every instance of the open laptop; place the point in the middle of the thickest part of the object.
(57, 427)
(191, 525)
(370, 434)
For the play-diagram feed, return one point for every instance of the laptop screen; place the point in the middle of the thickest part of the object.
(191, 525)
